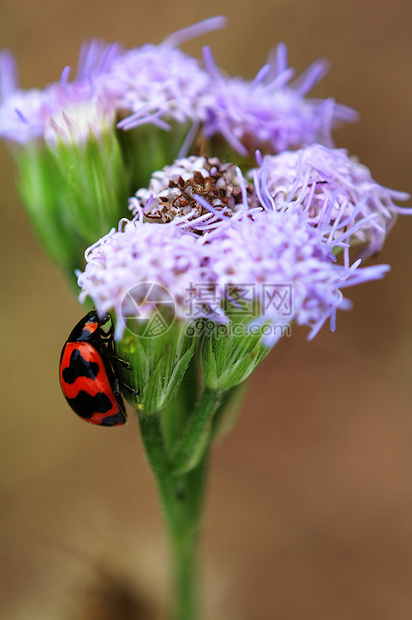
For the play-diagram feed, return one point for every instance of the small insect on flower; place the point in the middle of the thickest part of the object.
(87, 375)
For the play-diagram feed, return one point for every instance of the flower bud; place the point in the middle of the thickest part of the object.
(157, 364)
(71, 172)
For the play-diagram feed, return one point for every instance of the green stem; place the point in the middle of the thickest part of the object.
(197, 434)
(182, 502)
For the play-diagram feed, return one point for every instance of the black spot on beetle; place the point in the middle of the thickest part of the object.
(85, 405)
(79, 367)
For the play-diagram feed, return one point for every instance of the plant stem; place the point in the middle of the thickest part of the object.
(197, 434)
(181, 497)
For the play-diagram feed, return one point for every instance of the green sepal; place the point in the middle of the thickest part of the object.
(178, 410)
(227, 359)
(158, 365)
(39, 186)
(94, 187)
(73, 193)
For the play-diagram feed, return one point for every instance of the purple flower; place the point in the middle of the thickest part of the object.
(140, 252)
(280, 251)
(270, 113)
(173, 191)
(159, 83)
(337, 193)
(77, 113)
(64, 110)
(70, 169)
(22, 113)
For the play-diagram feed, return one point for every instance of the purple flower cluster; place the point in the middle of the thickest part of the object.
(158, 84)
(161, 85)
(149, 83)
(220, 250)
(201, 222)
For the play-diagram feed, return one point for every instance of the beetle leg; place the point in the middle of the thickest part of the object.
(129, 389)
(123, 363)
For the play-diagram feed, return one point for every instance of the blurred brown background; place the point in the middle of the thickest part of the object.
(309, 512)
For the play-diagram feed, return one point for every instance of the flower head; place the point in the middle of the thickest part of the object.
(71, 171)
(159, 83)
(77, 112)
(270, 113)
(136, 253)
(22, 113)
(69, 111)
(175, 190)
(335, 191)
(278, 254)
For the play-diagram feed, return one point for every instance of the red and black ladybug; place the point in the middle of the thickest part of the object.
(87, 377)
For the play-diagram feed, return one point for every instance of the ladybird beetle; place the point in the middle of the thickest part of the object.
(87, 376)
